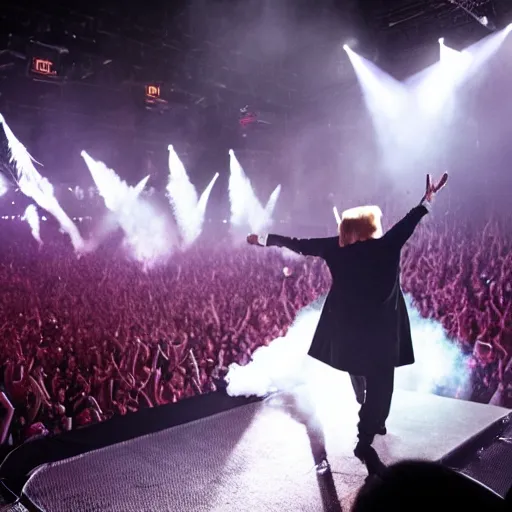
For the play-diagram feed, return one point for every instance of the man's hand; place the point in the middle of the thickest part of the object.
(433, 188)
(253, 240)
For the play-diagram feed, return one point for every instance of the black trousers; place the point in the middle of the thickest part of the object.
(374, 411)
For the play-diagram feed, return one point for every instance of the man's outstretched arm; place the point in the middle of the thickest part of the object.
(403, 229)
(305, 246)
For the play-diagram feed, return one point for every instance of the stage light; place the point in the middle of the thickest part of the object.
(441, 40)
(231, 152)
(508, 29)
(346, 47)
(170, 147)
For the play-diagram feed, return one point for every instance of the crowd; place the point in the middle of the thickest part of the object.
(461, 275)
(85, 338)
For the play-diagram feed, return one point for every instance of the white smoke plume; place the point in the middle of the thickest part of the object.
(148, 236)
(188, 211)
(272, 201)
(246, 209)
(280, 365)
(117, 195)
(32, 218)
(439, 360)
(33, 185)
(4, 185)
(283, 364)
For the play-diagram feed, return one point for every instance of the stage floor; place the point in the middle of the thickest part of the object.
(257, 457)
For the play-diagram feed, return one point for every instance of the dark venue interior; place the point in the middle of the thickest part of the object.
(213, 297)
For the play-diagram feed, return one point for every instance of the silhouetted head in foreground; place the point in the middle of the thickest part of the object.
(417, 485)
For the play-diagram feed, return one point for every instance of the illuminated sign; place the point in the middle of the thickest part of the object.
(43, 67)
(153, 91)
(153, 100)
(248, 118)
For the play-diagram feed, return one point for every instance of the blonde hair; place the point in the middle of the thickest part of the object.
(360, 224)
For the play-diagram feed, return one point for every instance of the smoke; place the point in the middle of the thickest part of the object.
(284, 364)
(4, 185)
(272, 201)
(32, 217)
(246, 209)
(188, 210)
(439, 361)
(148, 235)
(117, 194)
(280, 365)
(33, 185)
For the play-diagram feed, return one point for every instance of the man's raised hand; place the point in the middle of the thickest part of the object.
(433, 188)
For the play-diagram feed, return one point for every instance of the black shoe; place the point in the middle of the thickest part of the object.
(220, 384)
(368, 456)
(382, 431)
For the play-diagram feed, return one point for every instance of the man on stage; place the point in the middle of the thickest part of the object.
(364, 327)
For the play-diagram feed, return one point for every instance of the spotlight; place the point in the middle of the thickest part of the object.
(231, 152)
(508, 29)
(169, 147)
(441, 40)
(346, 47)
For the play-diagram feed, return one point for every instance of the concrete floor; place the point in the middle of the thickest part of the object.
(257, 457)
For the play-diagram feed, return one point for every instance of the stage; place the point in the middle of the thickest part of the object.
(259, 456)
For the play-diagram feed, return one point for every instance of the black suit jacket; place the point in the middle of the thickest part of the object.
(364, 323)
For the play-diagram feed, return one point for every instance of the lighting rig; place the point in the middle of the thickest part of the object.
(480, 10)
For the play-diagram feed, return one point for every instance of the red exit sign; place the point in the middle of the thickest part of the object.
(43, 67)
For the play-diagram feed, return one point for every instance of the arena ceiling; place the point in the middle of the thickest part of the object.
(106, 53)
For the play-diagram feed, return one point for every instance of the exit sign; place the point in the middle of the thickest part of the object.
(44, 67)
(154, 100)
(153, 92)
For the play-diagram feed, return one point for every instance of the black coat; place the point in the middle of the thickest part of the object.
(364, 323)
